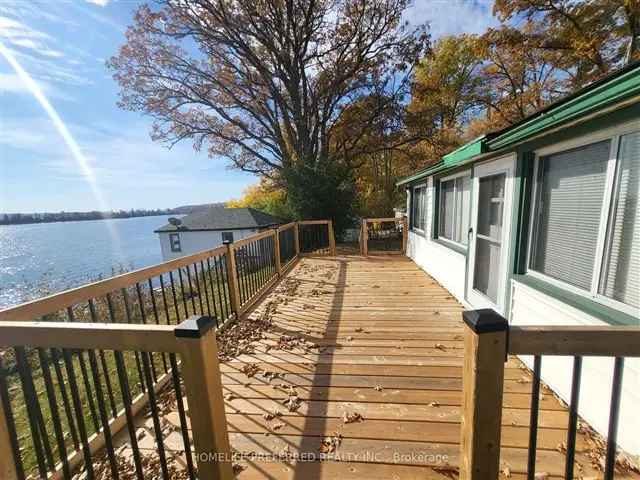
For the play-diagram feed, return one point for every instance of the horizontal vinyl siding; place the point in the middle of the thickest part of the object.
(445, 265)
(530, 307)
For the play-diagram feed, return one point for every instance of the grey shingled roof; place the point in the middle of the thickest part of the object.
(218, 218)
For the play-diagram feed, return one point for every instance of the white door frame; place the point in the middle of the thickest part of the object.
(507, 165)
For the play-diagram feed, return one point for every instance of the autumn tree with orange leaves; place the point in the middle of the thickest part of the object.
(265, 83)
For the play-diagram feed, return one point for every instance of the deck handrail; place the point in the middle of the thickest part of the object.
(488, 340)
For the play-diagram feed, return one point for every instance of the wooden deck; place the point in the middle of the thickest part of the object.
(376, 337)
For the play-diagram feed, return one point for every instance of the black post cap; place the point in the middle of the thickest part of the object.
(195, 326)
(485, 320)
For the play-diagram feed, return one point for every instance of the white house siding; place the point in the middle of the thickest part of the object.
(531, 307)
(193, 242)
(444, 264)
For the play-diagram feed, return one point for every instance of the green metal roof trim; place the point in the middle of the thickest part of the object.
(468, 150)
(616, 89)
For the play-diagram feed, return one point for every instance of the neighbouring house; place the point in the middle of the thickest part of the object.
(541, 222)
(209, 228)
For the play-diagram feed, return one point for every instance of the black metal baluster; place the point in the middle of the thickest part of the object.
(182, 415)
(255, 268)
(264, 266)
(77, 405)
(614, 416)
(10, 421)
(193, 297)
(222, 278)
(157, 319)
(198, 289)
(125, 392)
(103, 363)
(53, 408)
(175, 299)
(33, 409)
(573, 418)
(85, 379)
(240, 272)
(66, 403)
(206, 291)
(106, 429)
(88, 391)
(126, 400)
(217, 311)
(533, 421)
(127, 309)
(154, 414)
(143, 315)
(184, 297)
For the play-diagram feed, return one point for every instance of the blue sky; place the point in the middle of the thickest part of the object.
(78, 150)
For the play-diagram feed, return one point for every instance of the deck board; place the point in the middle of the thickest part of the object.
(375, 322)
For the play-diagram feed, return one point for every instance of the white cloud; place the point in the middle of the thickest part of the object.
(12, 84)
(99, 3)
(450, 17)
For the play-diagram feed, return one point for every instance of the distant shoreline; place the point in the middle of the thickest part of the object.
(34, 218)
(68, 220)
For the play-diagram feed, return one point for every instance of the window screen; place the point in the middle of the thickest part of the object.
(418, 212)
(571, 188)
(454, 209)
(621, 270)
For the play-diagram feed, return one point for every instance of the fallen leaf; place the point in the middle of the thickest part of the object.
(352, 417)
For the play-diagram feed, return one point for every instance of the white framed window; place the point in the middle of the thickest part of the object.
(585, 233)
(454, 202)
(418, 208)
(174, 242)
(227, 237)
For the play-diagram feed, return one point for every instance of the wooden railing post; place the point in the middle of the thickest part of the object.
(7, 466)
(232, 279)
(277, 252)
(365, 238)
(485, 347)
(332, 239)
(201, 373)
(296, 238)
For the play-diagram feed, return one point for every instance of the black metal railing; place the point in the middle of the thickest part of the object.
(572, 427)
(287, 244)
(255, 266)
(314, 238)
(56, 401)
(491, 338)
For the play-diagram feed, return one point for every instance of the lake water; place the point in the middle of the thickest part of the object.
(50, 257)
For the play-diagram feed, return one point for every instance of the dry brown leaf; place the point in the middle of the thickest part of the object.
(378, 388)
(352, 417)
